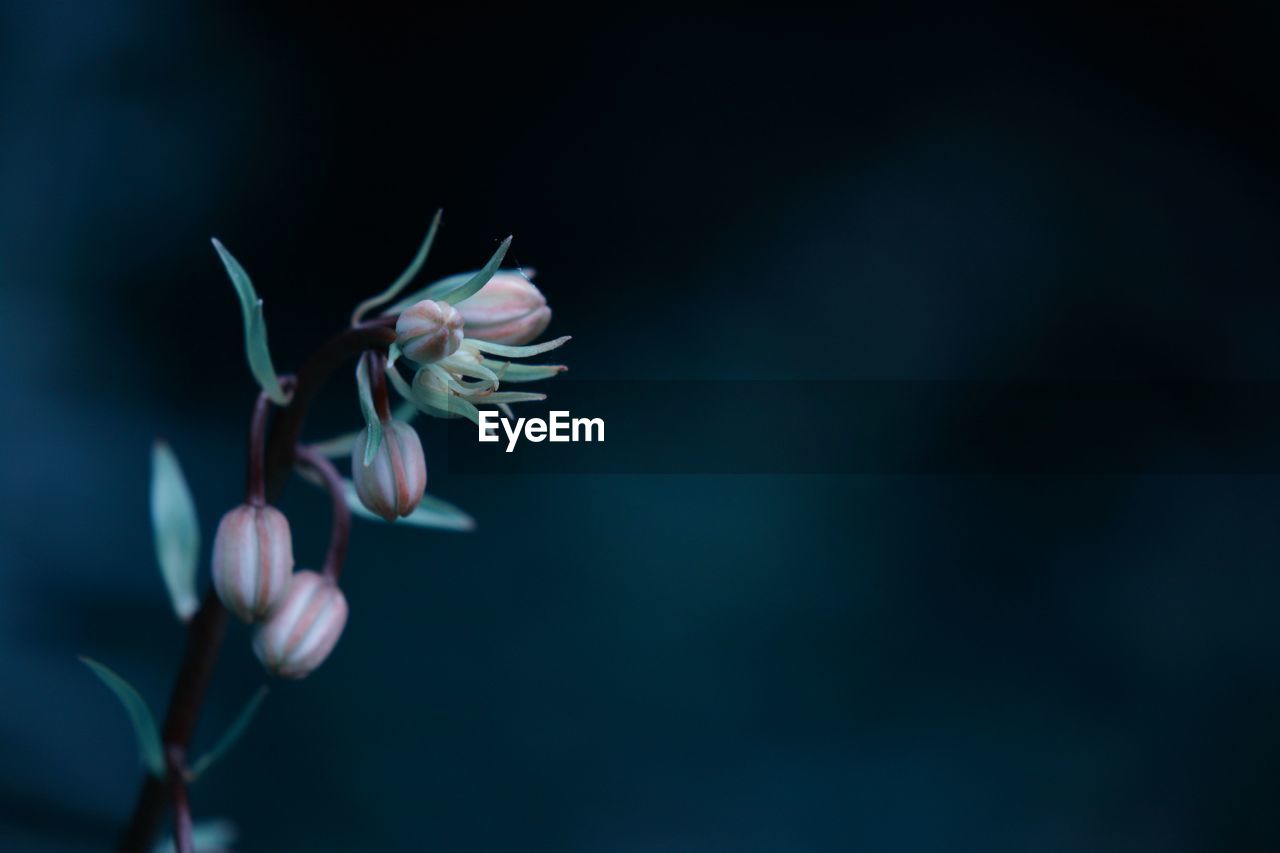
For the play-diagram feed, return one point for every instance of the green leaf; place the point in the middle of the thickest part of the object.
(338, 447)
(175, 528)
(509, 371)
(230, 736)
(410, 273)
(456, 288)
(144, 725)
(517, 352)
(364, 388)
(209, 836)
(431, 512)
(510, 397)
(255, 328)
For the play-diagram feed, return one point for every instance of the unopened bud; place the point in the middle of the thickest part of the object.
(508, 310)
(252, 560)
(429, 331)
(304, 628)
(392, 484)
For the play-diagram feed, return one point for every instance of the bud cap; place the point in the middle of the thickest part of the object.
(392, 484)
(252, 560)
(304, 629)
(429, 331)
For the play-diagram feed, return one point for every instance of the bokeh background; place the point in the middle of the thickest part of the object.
(675, 662)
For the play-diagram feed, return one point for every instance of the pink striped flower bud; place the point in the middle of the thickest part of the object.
(429, 331)
(252, 560)
(508, 310)
(304, 628)
(392, 484)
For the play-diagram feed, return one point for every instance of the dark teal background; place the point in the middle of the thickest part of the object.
(657, 662)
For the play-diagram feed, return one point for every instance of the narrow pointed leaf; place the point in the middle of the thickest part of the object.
(208, 836)
(364, 389)
(511, 372)
(338, 447)
(472, 286)
(510, 397)
(255, 327)
(144, 725)
(175, 528)
(456, 288)
(410, 273)
(517, 352)
(230, 736)
(431, 512)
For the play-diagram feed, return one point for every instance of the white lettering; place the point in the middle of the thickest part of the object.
(513, 435)
(488, 430)
(561, 428)
(587, 424)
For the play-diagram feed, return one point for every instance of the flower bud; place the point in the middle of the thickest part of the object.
(429, 331)
(252, 560)
(392, 484)
(508, 310)
(304, 628)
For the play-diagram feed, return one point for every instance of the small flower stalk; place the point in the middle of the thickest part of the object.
(303, 630)
(508, 310)
(252, 560)
(392, 485)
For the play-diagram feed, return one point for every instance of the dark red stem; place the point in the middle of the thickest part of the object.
(208, 626)
(341, 528)
(183, 831)
(377, 362)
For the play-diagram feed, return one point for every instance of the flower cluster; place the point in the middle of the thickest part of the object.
(462, 354)
(460, 340)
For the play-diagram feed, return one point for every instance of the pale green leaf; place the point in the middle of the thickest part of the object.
(410, 273)
(509, 371)
(373, 423)
(456, 288)
(431, 512)
(230, 736)
(175, 529)
(338, 447)
(209, 836)
(144, 725)
(517, 352)
(255, 328)
(510, 397)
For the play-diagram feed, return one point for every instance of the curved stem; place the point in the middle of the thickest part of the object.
(183, 831)
(341, 528)
(255, 485)
(208, 626)
(378, 383)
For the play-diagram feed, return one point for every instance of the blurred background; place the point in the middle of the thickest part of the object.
(657, 662)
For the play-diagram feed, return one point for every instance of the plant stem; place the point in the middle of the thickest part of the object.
(341, 529)
(183, 832)
(208, 626)
(378, 383)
